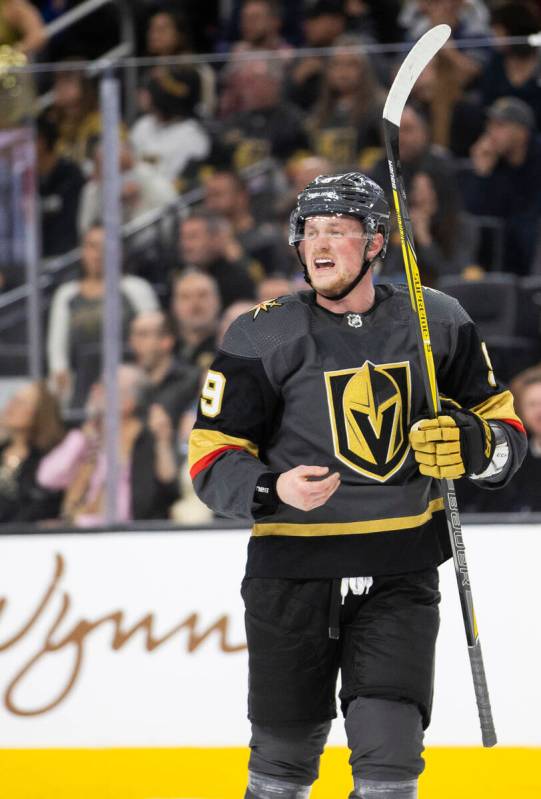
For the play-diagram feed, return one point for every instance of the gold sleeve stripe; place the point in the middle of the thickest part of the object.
(349, 528)
(501, 406)
(206, 445)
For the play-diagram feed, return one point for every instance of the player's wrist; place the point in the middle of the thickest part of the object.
(265, 493)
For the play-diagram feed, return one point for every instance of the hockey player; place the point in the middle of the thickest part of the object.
(312, 423)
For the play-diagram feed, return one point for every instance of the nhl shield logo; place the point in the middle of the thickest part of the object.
(355, 320)
(370, 409)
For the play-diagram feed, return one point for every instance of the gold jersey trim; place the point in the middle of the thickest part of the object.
(348, 528)
(205, 442)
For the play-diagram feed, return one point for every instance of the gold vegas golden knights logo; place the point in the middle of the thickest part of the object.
(370, 417)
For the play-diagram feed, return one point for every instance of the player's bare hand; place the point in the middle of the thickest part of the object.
(307, 487)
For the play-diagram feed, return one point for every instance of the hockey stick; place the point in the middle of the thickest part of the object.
(416, 60)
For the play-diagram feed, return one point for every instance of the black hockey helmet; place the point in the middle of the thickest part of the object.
(353, 194)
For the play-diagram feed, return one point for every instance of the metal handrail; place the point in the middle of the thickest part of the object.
(125, 48)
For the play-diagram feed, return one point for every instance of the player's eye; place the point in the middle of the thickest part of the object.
(336, 234)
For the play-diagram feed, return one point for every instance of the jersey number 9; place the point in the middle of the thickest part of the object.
(212, 394)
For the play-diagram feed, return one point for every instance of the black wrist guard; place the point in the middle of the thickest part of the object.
(477, 440)
(265, 490)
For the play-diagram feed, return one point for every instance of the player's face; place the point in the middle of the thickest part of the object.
(333, 249)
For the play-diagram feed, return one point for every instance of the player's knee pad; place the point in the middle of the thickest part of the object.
(386, 741)
(260, 786)
(289, 753)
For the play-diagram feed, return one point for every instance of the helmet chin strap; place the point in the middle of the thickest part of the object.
(365, 266)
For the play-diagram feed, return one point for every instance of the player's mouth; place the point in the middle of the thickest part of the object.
(323, 264)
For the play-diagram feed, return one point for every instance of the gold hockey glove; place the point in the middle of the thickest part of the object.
(450, 446)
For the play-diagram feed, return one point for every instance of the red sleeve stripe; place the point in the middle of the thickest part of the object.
(202, 463)
(515, 423)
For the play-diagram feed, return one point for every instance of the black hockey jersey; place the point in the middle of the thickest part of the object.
(296, 384)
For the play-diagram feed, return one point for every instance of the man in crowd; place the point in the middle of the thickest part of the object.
(195, 308)
(312, 422)
(170, 383)
(227, 194)
(505, 179)
(208, 243)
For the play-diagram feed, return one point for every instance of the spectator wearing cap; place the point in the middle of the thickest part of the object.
(60, 185)
(324, 21)
(514, 70)
(505, 179)
(170, 135)
(207, 242)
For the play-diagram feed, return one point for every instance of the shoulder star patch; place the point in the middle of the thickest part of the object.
(266, 306)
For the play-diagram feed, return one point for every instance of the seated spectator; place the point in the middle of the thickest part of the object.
(505, 179)
(170, 136)
(30, 426)
(445, 240)
(60, 185)
(75, 321)
(347, 118)
(456, 70)
(168, 34)
(514, 70)
(276, 285)
(521, 495)
(148, 483)
(227, 194)
(172, 384)
(21, 26)
(455, 128)
(417, 154)
(76, 113)
(260, 23)
(324, 21)
(143, 189)
(195, 309)
(207, 242)
(266, 125)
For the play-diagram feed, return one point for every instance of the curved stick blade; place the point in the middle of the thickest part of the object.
(416, 60)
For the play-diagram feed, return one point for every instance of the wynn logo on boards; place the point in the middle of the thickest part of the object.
(53, 611)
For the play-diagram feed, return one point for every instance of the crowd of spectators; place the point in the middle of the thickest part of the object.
(218, 150)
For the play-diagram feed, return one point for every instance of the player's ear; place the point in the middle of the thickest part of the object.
(375, 246)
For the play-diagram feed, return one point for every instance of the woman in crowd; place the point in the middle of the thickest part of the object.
(445, 238)
(147, 484)
(75, 322)
(347, 118)
(168, 34)
(30, 426)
